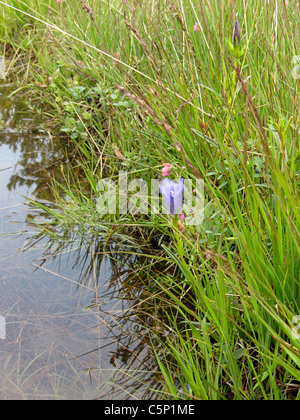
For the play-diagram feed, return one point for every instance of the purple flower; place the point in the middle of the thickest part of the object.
(173, 195)
(237, 35)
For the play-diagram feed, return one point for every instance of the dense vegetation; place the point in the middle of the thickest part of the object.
(136, 84)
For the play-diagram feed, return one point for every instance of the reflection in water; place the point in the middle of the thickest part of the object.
(38, 156)
(71, 305)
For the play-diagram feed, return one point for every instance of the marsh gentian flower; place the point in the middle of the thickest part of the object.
(237, 35)
(173, 195)
(197, 27)
(167, 170)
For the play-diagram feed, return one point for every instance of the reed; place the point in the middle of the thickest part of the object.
(165, 83)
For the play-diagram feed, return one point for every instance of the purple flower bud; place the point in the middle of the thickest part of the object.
(173, 195)
(237, 34)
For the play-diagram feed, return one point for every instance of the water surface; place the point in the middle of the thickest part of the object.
(71, 331)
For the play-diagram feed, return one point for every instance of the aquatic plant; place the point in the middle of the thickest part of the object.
(227, 294)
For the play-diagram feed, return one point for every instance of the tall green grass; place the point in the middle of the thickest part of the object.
(231, 288)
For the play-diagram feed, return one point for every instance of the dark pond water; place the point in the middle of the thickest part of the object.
(70, 330)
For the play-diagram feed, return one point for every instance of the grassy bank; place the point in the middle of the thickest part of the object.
(137, 84)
